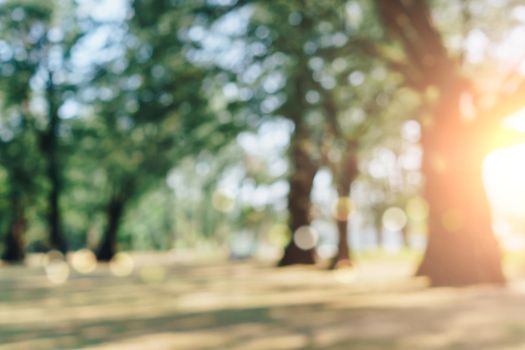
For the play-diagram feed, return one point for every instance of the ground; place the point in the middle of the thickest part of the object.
(197, 304)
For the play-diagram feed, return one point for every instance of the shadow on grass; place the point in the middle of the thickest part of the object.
(243, 307)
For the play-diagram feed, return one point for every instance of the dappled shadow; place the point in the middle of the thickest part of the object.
(251, 306)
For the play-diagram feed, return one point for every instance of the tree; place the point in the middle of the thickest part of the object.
(22, 35)
(39, 39)
(154, 114)
(288, 36)
(457, 125)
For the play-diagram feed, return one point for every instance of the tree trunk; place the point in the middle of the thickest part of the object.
(115, 211)
(50, 149)
(343, 257)
(14, 240)
(462, 249)
(348, 171)
(56, 238)
(299, 203)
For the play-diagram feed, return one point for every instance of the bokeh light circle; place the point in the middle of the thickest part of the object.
(305, 237)
(57, 272)
(84, 261)
(394, 219)
(121, 265)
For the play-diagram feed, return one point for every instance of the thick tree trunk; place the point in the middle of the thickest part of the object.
(50, 150)
(462, 249)
(56, 238)
(14, 239)
(348, 171)
(299, 203)
(114, 213)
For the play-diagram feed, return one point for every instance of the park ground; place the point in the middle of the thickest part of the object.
(169, 302)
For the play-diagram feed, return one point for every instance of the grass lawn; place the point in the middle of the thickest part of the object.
(173, 303)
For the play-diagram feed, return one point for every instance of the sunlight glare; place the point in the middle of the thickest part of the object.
(504, 174)
(516, 121)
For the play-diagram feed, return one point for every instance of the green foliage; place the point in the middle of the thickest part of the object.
(174, 80)
(22, 44)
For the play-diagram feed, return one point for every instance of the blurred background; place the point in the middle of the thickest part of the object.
(160, 159)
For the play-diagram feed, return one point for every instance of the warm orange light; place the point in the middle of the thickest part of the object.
(516, 121)
(504, 167)
(504, 177)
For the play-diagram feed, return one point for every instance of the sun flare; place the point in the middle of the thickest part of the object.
(504, 177)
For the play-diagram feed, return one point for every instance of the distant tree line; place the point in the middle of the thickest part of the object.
(102, 125)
